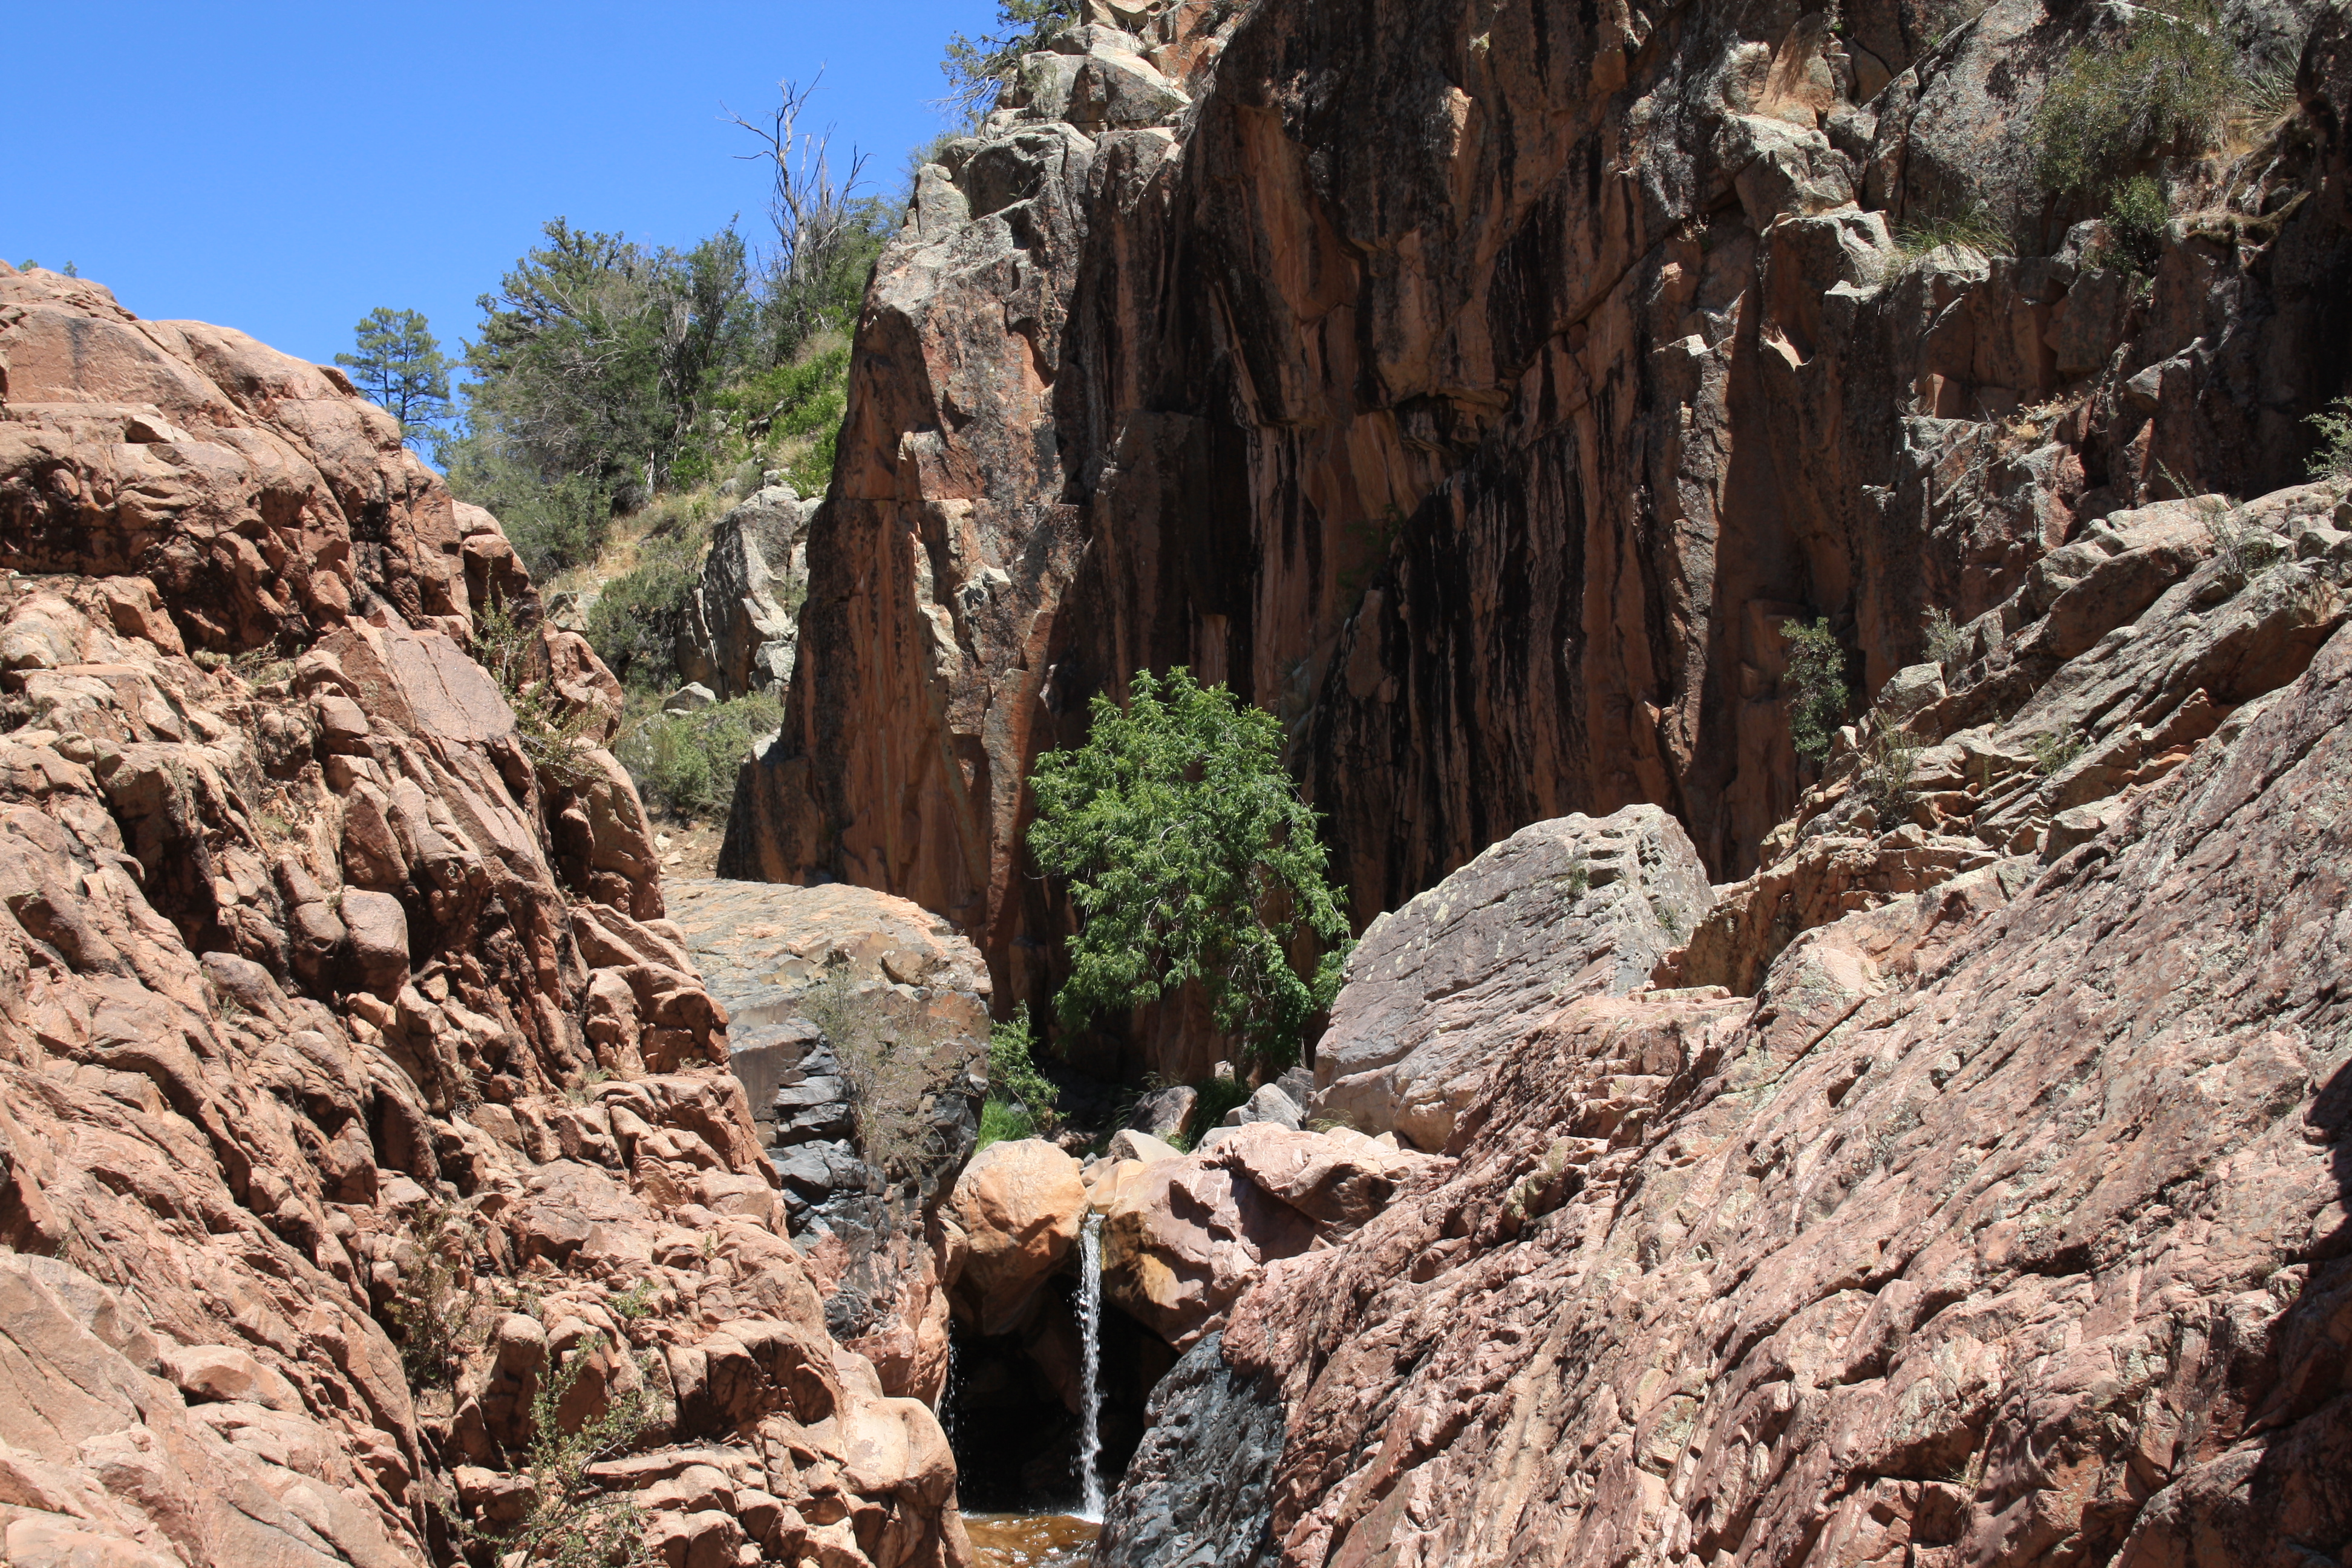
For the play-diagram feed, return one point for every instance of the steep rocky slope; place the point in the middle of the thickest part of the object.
(1482, 389)
(340, 1013)
(2005, 1222)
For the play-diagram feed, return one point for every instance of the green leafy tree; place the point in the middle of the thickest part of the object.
(2332, 457)
(1816, 680)
(401, 369)
(978, 68)
(1190, 857)
(1013, 1072)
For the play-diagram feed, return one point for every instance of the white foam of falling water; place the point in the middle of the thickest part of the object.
(1090, 1505)
(950, 1395)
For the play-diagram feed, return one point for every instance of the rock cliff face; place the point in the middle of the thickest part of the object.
(354, 1090)
(2005, 1222)
(1482, 391)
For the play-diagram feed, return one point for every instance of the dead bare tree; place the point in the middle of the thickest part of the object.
(814, 219)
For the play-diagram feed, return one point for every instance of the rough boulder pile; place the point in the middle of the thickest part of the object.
(365, 1126)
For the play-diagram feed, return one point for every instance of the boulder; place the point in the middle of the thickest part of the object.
(691, 698)
(1127, 1144)
(379, 934)
(1441, 988)
(1020, 1204)
(1184, 1235)
(1165, 1112)
(741, 623)
(1268, 1103)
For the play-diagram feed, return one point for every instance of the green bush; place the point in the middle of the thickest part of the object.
(796, 410)
(2165, 85)
(634, 623)
(1013, 1075)
(977, 68)
(2053, 749)
(1949, 642)
(1190, 857)
(554, 734)
(1816, 682)
(1003, 1124)
(2136, 215)
(572, 1520)
(552, 524)
(1890, 770)
(685, 764)
(2333, 459)
(1977, 228)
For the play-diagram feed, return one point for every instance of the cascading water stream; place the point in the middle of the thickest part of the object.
(1090, 1505)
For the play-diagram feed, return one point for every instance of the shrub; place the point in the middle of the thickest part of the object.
(1816, 680)
(554, 735)
(685, 764)
(1190, 857)
(2167, 84)
(1003, 1124)
(1218, 1096)
(570, 1523)
(1013, 1075)
(977, 68)
(634, 623)
(1889, 773)
(794, 413)
(552, 524)
(2333, 460)
(1948, 643)
(2053, 749)
(2136, 215)
(438, 1307)
(1977, 229)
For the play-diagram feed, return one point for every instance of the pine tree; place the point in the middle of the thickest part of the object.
(402, 371)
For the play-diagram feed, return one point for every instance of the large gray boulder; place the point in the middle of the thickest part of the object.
(1574, 906)
(742, 623)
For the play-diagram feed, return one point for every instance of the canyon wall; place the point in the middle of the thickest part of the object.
(1994, 1214)
(364, 1122)
(1480, 389)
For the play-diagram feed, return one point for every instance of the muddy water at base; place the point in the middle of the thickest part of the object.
(1029, 1540)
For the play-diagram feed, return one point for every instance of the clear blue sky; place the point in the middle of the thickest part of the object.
(284, 168)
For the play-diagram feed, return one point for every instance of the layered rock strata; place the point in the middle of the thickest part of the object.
(2003, 1223)
(357, 1090)
(2056, 712)
(1483, 393)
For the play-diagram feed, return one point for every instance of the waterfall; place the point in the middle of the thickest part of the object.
(1090, 1505)
(950, 1394)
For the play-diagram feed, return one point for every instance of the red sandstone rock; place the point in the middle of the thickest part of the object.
(1483, 393)
(2003, 1226)
(1184, 1237)
(298, 972)
(1019, 1205)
